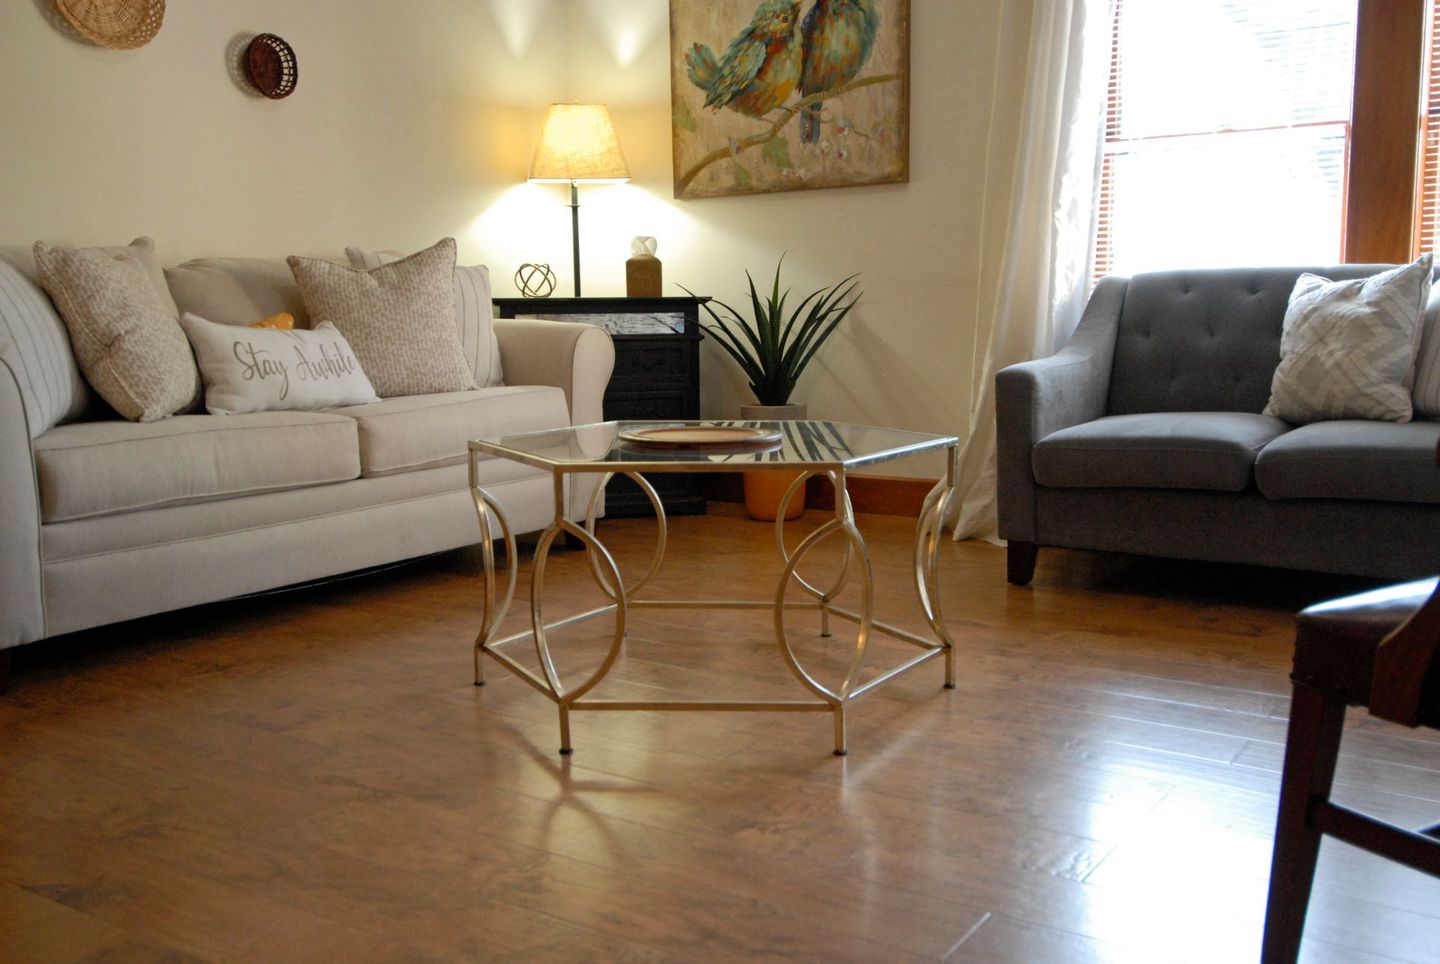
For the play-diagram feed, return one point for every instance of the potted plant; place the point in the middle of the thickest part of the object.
(773, 349)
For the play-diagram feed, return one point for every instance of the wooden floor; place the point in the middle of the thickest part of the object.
(311, 776)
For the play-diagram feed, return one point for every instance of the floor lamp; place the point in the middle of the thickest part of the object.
(578, 143)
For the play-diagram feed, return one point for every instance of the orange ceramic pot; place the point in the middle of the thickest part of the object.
(764, 490)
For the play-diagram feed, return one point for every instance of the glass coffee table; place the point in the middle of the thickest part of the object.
(636, 449)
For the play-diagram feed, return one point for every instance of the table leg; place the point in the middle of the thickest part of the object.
(496, 606)
(843, 509)
(855, 552)
(928, 531)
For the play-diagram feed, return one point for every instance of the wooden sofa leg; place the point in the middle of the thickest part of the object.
(1312, 745)
(1020, 562)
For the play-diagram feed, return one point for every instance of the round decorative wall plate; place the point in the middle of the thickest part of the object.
(702, 436)
(270, 65)
(118, 24)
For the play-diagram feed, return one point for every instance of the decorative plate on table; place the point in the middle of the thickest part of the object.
(702, 436)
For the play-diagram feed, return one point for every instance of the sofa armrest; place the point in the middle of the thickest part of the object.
(574, 357)
(1035, 398)
(22, 612)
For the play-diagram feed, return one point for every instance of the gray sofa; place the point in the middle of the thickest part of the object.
(1144, 434)
(105, 520)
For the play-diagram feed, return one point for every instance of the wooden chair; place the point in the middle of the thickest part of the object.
(1378, 649)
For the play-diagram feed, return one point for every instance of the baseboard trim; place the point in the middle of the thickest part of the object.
(875, 494)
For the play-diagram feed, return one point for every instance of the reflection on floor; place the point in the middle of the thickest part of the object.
(312, 776)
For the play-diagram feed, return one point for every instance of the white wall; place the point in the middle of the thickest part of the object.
(416, 120)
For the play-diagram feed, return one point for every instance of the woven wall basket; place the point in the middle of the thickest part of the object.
(121, 24)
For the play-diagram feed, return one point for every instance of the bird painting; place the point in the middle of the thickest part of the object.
(837, 38)
(787, 95)
(761, 67)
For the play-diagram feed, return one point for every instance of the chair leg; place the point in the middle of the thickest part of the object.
(1020, 562)
(1311, 748)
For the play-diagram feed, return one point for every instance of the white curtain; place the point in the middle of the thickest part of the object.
(1046, 262)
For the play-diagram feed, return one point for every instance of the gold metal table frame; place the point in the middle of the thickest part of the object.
(625, 598)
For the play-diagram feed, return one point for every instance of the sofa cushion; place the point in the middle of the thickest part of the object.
(424, 431)
(95, 468)
(1353, 460)
(237, 291)
(474, 312)
(399, 318)
(36, 348)
(1426, 391)
(254, 369)
(1204, 340)
(1171, 450)
(1348, 348)
(126, 337)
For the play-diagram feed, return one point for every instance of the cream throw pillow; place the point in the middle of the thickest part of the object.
(474, 313)
(1348, 347)
(126, 338)
(273, 369)
(399, 318)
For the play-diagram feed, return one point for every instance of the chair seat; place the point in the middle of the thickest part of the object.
(1335, 641)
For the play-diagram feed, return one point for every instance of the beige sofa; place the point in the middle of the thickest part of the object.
(105, 520)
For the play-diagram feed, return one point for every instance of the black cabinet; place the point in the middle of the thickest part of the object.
(657, 376)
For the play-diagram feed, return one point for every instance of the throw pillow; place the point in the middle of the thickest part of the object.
(271, 369)
(399, 318)
(1426, 393)
(126, 339)
(284, 321)
(474, 313)
(1348, 347)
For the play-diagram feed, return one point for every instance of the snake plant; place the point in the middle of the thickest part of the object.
(771, 347)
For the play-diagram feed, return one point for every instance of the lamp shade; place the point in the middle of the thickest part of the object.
(578, 143)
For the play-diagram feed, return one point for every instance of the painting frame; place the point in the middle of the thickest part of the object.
(756, 110)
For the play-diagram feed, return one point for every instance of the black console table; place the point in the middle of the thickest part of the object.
(657, 376)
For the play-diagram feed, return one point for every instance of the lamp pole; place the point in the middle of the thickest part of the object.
(575, 231)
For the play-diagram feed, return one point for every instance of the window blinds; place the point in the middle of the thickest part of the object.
(1428, 206)
(1227, 130)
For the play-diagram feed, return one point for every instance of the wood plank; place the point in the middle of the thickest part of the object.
(313, 773)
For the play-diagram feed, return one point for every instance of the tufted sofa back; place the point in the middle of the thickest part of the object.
(1204, 340)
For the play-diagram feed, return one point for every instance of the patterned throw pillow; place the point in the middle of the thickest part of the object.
(126, 340)
(1348, 347)
(399, 318)
(474, 313)
(254, 369)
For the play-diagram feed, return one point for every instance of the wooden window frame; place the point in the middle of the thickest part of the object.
(1383, 182)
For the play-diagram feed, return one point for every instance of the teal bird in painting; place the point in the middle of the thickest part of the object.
(838, 36)
(761, 66)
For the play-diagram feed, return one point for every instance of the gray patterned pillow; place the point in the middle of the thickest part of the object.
(399, 318)
(1348, 347)
(127, 340)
